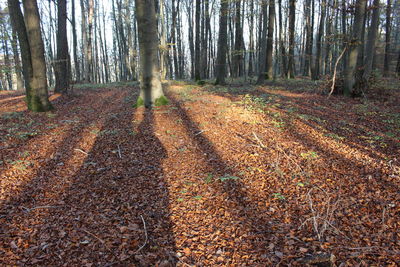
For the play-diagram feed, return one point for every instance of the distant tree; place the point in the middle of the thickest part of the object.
(61, 66)
(151, 92)
(39, 100)
(222, 43)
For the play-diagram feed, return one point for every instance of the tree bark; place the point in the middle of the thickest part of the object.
(350, 74)
(292, 20)
(75, 42)
(62, 63)
(151, 92)
(17, 62)
(197, 59)
(317, 64)
(270, 40)
(18, 25)
(222, 43)
(371, 42)
(39, 95)
(263, 45)
(386, 64)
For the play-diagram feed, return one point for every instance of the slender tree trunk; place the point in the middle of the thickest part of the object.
(350, 75)
(308, 45)
(282, 43)
(197, 43)
(75, 42)
(270, 40)
(151, 92)
(292, 20)
(251, 38)
(163, 42)
(371, 42)
(263, 45)
(317, 64)
(238, 52)
(17, 62)
(386, 65)
(398, 65)
(222, 43)
(61, 65)
(39, 94)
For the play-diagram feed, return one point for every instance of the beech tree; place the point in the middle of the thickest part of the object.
(222, 43)
(61, 66)
(350, 73)
(151, 92)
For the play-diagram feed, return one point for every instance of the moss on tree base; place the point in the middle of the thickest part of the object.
(161, 101)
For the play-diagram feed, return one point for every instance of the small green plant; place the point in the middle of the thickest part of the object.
(334, 136)
(209, 179)
(228, 177)
(198, 197)
(12, 115)
(278, 196)
(309, 155)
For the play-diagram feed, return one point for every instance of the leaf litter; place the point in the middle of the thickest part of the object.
(222, 176)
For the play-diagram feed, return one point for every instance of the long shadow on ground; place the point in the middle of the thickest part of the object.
(108, 206)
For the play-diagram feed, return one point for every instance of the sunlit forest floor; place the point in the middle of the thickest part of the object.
(223, 176)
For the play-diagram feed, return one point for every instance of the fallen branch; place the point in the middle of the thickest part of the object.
(334, 71)
(258, 139)
(80, 150)
(146, 236)
(119, 152)
(38, 207)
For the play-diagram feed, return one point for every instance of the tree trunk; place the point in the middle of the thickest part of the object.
(308, 45)
(197, 63)
(371, 42)
(292, 20)
(282, 43)
(263, 45)
(89, 55)
(350, 75)
(151, 92)
(238, 53)
(222, 43)
(17, 62)
(39, 95)
(317, 64)
(18, 25)
(386, 65)
(75, 42)
(270, 40)
(62, 63)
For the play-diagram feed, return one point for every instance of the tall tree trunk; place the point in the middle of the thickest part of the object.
(84, 40)
(222, 43)
(197, 42)
(238, 50)
(386, 65)
(62, 63)
(371, 42)
(350, 75)
(270, 39)
(17, 62)
(398, 65)
(317, 64)
(251, 38)
(18, 25)
(308, 45)
(89, 50)
(75, 42)
(151, 92)
(263, 45)
(7, 63)
(282, 43)
(163, 42)
(292, 20)
(39, 94)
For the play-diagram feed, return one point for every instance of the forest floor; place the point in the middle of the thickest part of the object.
(223, 176)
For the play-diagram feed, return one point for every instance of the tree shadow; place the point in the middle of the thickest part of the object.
(251, 234)
(93, 210)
